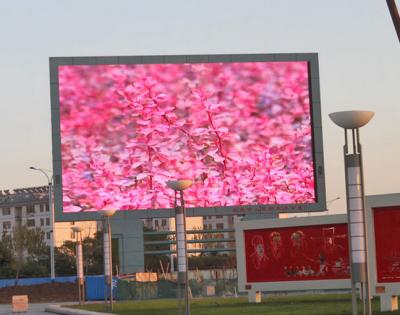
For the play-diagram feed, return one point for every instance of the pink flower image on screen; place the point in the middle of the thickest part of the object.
(241, 131)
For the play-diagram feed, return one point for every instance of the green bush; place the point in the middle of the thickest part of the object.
(33, 269)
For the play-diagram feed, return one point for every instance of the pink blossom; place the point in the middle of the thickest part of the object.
(241, 131)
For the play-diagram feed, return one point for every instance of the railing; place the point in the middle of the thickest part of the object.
(191, 241)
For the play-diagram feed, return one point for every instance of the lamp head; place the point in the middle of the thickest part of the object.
(351, 119)
(32, 168)
(107, 212)
(76, 229)
(179, 185)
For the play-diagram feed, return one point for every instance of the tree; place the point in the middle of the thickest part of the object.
(65, 256)
(93, 254)
(28, 247)
(6, 256)
(65, 259)
(35, 244)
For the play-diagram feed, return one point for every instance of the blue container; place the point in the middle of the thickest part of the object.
(95, 287)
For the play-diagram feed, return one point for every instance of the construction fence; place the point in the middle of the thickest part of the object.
(166, 286)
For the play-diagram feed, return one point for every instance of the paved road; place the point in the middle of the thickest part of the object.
(34, 308)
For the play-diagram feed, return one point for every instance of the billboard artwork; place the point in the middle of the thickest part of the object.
(318, 252)
(242, 131)
(387, 243)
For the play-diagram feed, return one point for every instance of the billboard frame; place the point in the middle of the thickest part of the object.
(316, 124)
(277, 286)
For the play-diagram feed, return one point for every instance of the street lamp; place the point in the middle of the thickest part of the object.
(107, 246)
(79, 264)
(53, 230)
(353, 120)
(181, 244)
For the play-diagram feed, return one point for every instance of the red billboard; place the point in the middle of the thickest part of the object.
(387, 243)
(318, 252)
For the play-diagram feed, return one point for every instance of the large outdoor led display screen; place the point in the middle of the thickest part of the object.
(318, 252)
(242, 131)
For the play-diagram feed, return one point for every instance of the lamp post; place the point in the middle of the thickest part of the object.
(352, 121)
(79, 264)
(52, 227)
(107, 255)
(181, 244)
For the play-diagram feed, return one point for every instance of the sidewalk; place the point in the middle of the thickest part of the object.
(34, 309)
(39, 309)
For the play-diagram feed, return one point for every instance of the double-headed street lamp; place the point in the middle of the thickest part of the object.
(52, 227)
(181, 244)
(352, 121)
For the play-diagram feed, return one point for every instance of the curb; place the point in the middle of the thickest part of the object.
(57, 309)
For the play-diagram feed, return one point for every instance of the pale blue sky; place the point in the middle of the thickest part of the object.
(358, 50)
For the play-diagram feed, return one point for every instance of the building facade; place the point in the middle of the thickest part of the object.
(217, 223)
(30, 207)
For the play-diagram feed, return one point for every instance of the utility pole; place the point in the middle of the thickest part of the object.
(394, 13)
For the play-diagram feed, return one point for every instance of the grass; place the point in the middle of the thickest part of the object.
(338, 304)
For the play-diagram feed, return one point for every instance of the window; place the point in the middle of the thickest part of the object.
(30, 209)
(156, 222)
(41, 207)
(48, 235)
(205, 227)
(18, 212)
(6, 211)
(220, 226)
(41, 222)
(219, 216)
(47, 221)
(204, 217)
(47, 207)
(164, 222)
(6, 225)
(30, 222)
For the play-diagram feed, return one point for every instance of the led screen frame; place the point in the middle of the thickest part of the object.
(315, 111)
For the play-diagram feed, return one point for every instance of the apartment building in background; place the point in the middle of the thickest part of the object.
(30, 207)
(217, 223)
(210, 222)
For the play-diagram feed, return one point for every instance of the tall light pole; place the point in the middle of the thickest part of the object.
(107, 246)
(79, 264)
(394, 13)
(352, 121)
(52, 227)
(181, 244)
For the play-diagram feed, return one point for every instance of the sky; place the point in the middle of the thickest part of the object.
(359, 61)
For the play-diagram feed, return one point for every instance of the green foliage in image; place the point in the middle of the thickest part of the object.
(92, 256)
(338, 304)
(23, 253)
